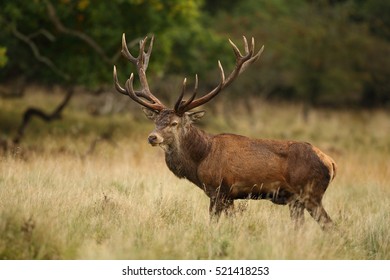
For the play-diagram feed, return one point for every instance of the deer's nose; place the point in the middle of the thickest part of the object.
(152, 139)
(155, 138)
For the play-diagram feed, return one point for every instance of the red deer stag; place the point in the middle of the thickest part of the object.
(227, 166)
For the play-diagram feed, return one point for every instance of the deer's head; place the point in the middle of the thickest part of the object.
(170, 126)
(173, 123)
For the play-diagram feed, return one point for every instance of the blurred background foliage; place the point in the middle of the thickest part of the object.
(325, 52)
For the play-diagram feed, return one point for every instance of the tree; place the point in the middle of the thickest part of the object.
(319, 52)
(79, 41)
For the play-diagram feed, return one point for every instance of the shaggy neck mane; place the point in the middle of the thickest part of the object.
(184, 158)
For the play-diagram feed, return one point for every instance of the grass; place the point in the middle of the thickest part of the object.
(122, 202)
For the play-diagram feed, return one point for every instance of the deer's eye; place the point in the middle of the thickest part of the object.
(174, 123)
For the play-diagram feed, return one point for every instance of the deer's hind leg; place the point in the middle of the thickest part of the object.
(317, 211)
(313, 204)
(297, 212)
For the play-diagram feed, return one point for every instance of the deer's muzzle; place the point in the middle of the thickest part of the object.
(155, 139)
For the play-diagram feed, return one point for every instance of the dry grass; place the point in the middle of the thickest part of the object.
(123, 203)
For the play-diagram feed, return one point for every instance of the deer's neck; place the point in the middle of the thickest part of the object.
(184, 157)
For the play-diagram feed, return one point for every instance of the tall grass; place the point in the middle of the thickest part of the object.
(122, 202)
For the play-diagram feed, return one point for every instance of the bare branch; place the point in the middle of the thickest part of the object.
(31, 112)
(37, 53)
(82, 36)
(44, 33)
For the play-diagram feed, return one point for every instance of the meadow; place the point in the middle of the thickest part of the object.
(60, 200)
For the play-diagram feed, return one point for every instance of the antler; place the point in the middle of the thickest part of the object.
(143, 96)
(242, 62)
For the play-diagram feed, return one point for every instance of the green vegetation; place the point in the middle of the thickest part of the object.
(323, 52)
(77, 42)
(3, 57)
(122, 202)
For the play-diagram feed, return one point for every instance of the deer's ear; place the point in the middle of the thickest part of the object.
(150, 114)
(195, 116)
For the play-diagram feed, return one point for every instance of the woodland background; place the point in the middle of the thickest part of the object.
(325, 52)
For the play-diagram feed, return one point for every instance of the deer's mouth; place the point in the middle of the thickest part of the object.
(154, 144)
(155, 139)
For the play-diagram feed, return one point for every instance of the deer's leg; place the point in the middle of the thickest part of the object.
(296, 213)
(214, 211)
(317, 211)
(219, 205)
(313, 194)
(229, 207)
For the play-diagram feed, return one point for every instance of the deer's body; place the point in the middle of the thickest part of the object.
(248, 168)
(228, 166)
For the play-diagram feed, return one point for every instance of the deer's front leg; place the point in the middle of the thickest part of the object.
(219, 205)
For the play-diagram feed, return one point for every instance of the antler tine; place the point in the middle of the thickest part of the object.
(252, 60)
(117, 85)
(235, 49)
(125, 50)
(180, 106)
(246, 45)
(207, 97)
(253, 44)
(180, 99)
(242, 62)
(194, 93)
(222, 73)
(150, 45)
(131, 93)
(141, 55)
(123, 91)
(143, 96)
(147, 54)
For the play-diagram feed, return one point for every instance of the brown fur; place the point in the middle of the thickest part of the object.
(229, 167)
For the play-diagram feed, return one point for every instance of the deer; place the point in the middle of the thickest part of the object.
(226, 166)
